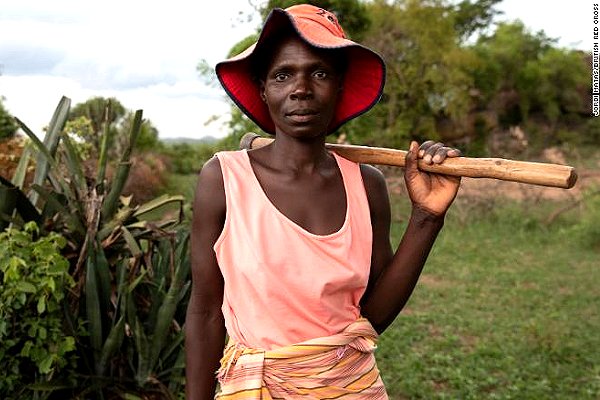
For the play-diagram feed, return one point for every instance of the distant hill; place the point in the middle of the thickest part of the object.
(204, 139)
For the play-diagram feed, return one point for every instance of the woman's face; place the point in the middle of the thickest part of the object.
(301, 88)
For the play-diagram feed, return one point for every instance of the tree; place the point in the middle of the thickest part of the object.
(8, 126)
(550, 83)
(88, 121)
(426, 77)
(471, 17)
(529, 69)
(504, 54)
(525, 79)
(95, 110)
(148, 137)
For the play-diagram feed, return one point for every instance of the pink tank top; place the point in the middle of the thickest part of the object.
(283, 284)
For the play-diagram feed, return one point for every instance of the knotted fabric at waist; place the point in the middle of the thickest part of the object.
(339, 366)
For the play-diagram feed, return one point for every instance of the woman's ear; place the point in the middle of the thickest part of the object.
(263, 96)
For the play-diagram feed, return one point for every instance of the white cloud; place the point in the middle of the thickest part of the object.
(144, 53)
(179, 110)
(570, 22)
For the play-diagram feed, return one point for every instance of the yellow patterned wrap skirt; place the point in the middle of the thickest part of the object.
(341, 366)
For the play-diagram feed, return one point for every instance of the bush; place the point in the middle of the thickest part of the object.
(130, 267)
(591, 132)
(34, 279)
(147, 177)
(188, 158)
(8, 126)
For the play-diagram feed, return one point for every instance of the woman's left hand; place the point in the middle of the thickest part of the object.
(431, 192)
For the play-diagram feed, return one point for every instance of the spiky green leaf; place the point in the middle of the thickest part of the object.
(11, 199)
(111, 345)
(122, 174)
(160, 206)
(92, 303)
(45, 154)
(51, 140)
(141, 343)
(18, 178)
(103, 274)
(103, 158)
(110, 204)
(132, 244)
(74, 164)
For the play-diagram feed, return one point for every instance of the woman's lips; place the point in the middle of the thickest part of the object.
(302, 116)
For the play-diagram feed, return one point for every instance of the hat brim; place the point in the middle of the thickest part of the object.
(362, 84)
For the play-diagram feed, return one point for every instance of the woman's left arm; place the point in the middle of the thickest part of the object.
(394, 275)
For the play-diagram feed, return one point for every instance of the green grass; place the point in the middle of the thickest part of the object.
(506, 308)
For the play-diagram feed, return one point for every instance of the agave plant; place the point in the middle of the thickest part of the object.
(130, 263)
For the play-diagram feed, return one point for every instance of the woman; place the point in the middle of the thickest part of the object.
(291, 254)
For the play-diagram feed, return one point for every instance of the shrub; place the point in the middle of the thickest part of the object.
(188, 158)
(34, 278)
(130, 268)
(591, 132)
(147, 177)
(8, 126)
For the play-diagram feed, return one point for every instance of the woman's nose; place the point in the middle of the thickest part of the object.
(301, 89)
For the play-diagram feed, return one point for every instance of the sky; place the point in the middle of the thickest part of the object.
(145, 53)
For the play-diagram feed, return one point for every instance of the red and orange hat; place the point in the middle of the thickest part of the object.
(363, 80)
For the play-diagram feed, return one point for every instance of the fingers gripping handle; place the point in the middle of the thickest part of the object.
(544, 174)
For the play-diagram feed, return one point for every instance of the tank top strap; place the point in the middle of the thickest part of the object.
(351, 174)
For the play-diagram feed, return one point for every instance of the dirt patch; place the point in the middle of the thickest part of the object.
(434, 331)
(440, 386)
(10, 153)
(407, 311)
(468, 342)
(564, 290)
(529, 285)
(433, 281)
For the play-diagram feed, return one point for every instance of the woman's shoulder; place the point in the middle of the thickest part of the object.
(221, 165)
(372, 176)
(375, 185)
(222, 159)
(210, 176)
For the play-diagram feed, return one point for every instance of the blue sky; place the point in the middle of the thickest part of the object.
(145, 53)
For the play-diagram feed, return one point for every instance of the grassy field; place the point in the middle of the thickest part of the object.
(507, 308)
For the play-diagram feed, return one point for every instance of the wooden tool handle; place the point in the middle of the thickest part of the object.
(554, 175)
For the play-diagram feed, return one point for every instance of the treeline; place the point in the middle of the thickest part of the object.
(454, 74)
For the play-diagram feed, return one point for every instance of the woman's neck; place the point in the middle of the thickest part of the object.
(294, 154)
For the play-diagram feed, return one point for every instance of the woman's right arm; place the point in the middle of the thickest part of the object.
(204, 325)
